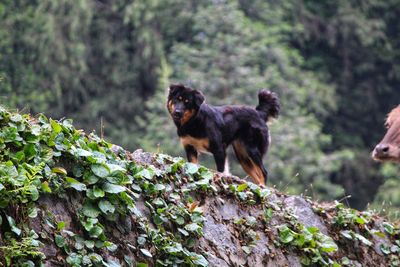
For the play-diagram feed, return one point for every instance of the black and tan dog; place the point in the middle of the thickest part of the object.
(205, 128)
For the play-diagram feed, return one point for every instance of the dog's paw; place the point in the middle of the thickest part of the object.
(217, 177)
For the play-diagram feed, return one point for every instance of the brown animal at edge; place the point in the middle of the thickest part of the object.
(389, 148)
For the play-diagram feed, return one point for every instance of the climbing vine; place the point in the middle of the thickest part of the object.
(44, 156)
(163, 201)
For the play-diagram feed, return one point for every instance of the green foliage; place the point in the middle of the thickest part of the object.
(107, 181)
(315, 245)
(170, 189)
(359, 226)
(107, 64)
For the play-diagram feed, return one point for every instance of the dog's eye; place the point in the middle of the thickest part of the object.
(186, 101)
(180, 98)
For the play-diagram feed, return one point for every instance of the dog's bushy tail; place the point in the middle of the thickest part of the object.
(268, 105)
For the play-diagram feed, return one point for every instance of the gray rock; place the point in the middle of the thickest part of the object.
(304, 212)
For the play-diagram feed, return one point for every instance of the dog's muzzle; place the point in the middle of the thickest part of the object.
(177, 114)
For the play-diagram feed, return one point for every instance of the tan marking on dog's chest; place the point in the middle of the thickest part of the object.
(187, 115)
(200, 144)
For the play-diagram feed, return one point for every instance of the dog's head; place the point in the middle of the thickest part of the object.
(183, 103)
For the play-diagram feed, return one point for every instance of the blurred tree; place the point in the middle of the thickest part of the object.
(89, 60)
(355, 45)
(230, 57)
(387, 199)
(43, 56)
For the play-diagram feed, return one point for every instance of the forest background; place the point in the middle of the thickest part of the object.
(106, 64)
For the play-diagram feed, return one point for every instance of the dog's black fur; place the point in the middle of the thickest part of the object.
(205, 128)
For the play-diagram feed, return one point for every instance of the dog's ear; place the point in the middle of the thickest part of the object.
(175, 88)
(198, 98)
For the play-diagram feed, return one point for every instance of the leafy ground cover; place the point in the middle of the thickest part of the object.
(69, 198)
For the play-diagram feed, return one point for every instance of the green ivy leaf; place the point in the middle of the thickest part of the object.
(115, 169)
(146, 252)
(55, 126)
(35, 130)
(183, 232)
(73, 183)
(60, 225)
(45, 187)
(385, 249)
(90, 211)
(60, 241)
(174, 248)
(193, 227)
(28, 264)
(190, 168)
(145, 173)
(90, 223)
(345, 261)
(388, 228)
(13, 226)
(360, 220)
(111, 263)
(110, 246)
(113, 188)
(268, 213)
(100, 170)
(96, 258)
(141, 240)
(285, 234)
(90, 179)
(159, 187)
(106, 207)
(74, 259)
(306, 261)
(199, 260)
(328, 245)
(16, 118)
(98, 192)
(32, 212)
(347, 234)
(33, 192)
(77, 171)
(158, 202)
(83, 153)
(79, 242)
(30, 151)
(242, 187)
(96, 231)
(363, 239)
(378, 233)
(180, 220)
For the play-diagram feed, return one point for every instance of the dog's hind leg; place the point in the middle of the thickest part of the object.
(258, 167)
(251, 161)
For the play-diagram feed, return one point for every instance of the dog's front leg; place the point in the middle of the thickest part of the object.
(220, 156)
(191, 154)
